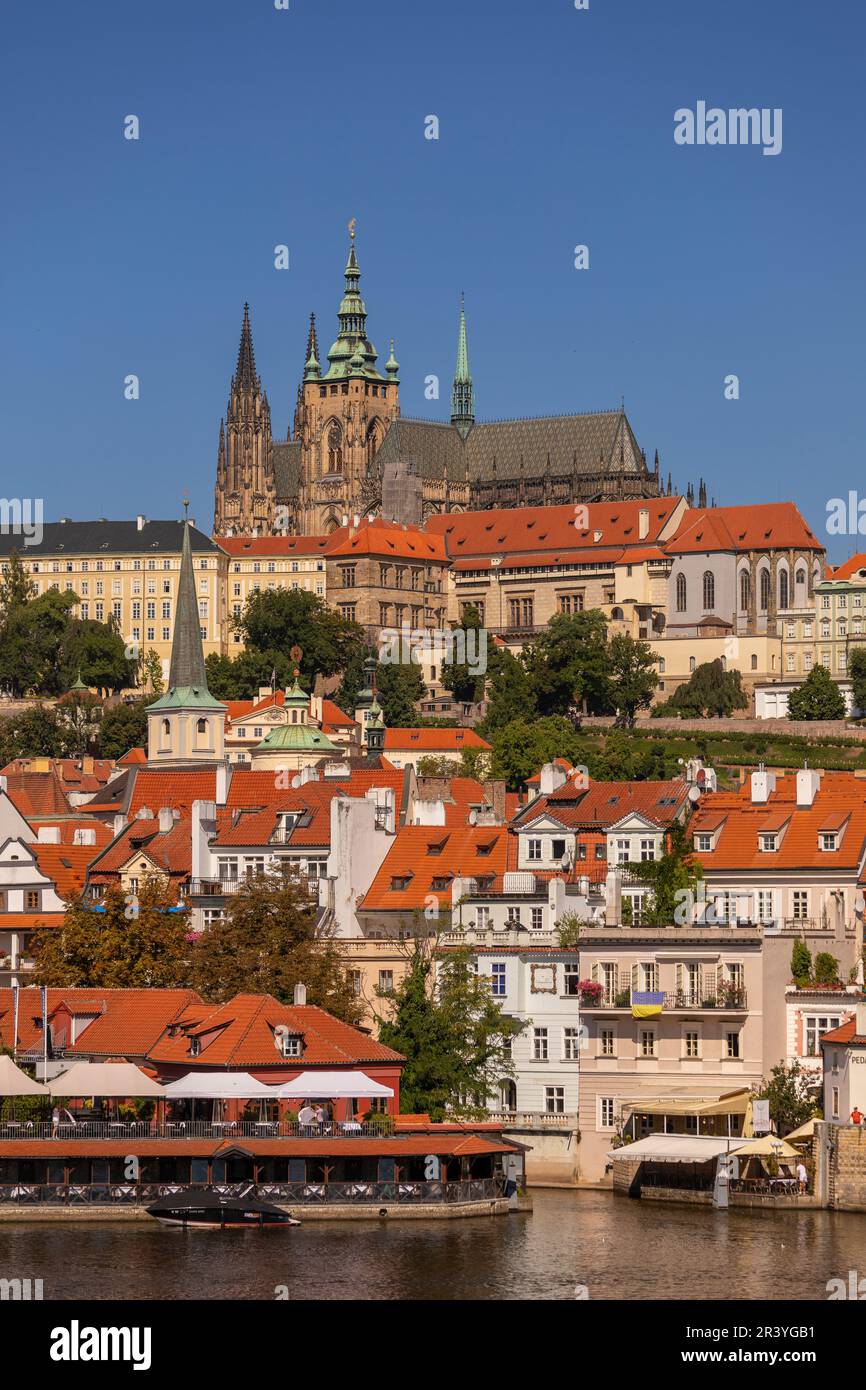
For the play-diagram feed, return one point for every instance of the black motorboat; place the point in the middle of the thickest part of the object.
(218, 1211)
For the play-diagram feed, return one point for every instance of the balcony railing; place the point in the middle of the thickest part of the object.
(730, 999)
(192, 1129)
(24, 1194)
(534, 1119)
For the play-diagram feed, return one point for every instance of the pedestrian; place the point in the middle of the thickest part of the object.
(856, 1116)
(55, 1122)
(306, 1116)
(802, 1176)
(320, 1117)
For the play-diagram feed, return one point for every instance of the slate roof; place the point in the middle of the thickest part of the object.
(110, 538)
(287, 469)
(596, 442)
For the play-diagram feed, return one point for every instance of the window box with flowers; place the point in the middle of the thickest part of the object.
(590, 991)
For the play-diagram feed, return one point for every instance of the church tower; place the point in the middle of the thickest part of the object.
(344, 409)
(245, 495)
(187, 724)
(462, 390)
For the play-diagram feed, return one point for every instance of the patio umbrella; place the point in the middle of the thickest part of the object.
(121, 1080)
(218, 1085)
(330, 1085)
(15, 1082)
(768, 1146)
(805, 1131)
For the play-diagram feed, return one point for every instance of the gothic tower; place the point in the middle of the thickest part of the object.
(245, 495)
(462, 390)
(342, 416)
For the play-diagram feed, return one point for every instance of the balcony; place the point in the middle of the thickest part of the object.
(534, 1119)
(194, 1129)
(357, 1193)
(730, 1000)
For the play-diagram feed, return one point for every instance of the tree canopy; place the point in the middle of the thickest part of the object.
(119, 943)
(819, 697)
(710, 691)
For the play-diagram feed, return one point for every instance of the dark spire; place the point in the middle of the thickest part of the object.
(702, 494)
(187, 656)
(462, 389)
(245, 373)
(656, 464)
(690, 495)
(670, 486)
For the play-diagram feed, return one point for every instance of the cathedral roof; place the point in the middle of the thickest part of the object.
(598, 442)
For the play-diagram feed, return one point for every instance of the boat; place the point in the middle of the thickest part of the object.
(217, 1211)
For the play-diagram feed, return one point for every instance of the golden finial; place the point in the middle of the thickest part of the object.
(352, 225)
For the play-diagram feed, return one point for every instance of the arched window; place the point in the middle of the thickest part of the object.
(335, 448)
(745, 590)
(754, 662)
(201, 726)
(681, 593)
(661, 665)
(709, 591)
(800, 579)
(372, 442)
(765, 590)
(692, 663)
(508, 1096)
(166, 727)
(783, 589)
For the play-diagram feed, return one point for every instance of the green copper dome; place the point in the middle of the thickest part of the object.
(296, 738)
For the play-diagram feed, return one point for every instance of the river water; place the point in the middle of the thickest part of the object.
(611, 1247)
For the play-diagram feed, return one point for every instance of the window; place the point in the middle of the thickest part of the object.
(31, 900)
(557, 848)
(648, 850)
(347, 576)
(514, 916)
(768, 844)
(681, 593)
(828, 841)
(765, 590)
(539, 1044)
(520, 612)
(497, 979)
(692, 663)
(607, 1042)
(386, 980)
(732, 1045)
(647, 1042)
(704, 842)
(605, 1112)
(783, 589)
(709, 591)
(692, 1044)
(537, 918)
(800, 904)
(745, 591)
(835, 1102)
(570, 1044)
(534, 850)
(482, 918)
(815, 1026)
(554, 1100)
(622, 848)
(290, 1046)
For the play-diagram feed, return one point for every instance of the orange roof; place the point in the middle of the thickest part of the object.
(37, 794)
(68, 828)
(332, 715)
(131, 1021)
(387, 538)
(424, 855)
(240, 1034)
(845, 1033)
(440, 1142)
(839, 800)
(765, 526)
(256, 825)
(604, 803)
(853, 568)
(65, 865)
(433, 740)
(179, 788)
(29, 921)
(134, 758)
(528, 530)
(169, 850)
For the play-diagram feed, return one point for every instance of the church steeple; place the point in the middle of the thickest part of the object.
(245, 372)
(462, 390)
(187, 723)
(245, 495)
(311, 365)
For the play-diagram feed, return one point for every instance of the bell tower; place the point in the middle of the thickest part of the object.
(344, 409)
(245, 494)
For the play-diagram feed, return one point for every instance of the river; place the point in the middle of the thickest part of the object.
(608, 1246)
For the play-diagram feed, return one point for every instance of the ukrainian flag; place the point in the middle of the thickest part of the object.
(646, 1005)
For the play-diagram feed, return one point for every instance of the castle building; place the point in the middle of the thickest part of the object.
(350, 453)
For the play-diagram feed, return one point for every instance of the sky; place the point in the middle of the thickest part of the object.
(261, 127)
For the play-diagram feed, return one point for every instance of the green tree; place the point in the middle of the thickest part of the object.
(633, 676)
(452, 1032)
(16, 586)
(123, 727)
(31, 635)
(463, 680)
(710, 691)
(801, 963)
(399, 688)
(268, 942)
(37, 732)
(97, 652)
(510, 694)
(786, 1090)
(819, 697)
(857, 672)
(521, 748)
(148, 674)
(569, 665)
(438, 765)
(673, 881)
(826, 969)
(120, 943)
(276, 620)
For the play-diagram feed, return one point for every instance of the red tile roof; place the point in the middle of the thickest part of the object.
(530, 530)
(178, 788)
(134, 758)
(240, 1034)
(841, 796)
(846, 1033)
(423, 854)
(168, 850)
(604, 803)
(851, 569)
(239, 546)
(131, 1021)
(65, 865)
(388, 539)
(432, 740)
(37, 795)
(765, 526)
(68, 828)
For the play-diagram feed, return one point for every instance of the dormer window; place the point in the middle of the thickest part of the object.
(290, 1045)
(703, 842)
(194, 1047)
(400, 883)
(828, 840)
(767, 843)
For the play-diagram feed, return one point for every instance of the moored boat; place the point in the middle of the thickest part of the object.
(216, 1211)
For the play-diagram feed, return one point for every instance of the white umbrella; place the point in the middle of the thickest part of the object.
(330, 1085)
(15, 1082)
(122, 1080)
(218, 1085)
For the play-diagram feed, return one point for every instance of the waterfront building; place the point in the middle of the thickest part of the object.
(844, 1050)
(811, 1011)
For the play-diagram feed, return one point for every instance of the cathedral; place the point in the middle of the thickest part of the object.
(350, 452)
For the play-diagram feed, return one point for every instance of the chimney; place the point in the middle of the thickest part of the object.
(552, 777)
(613, 899)
(494, 795)
(356, 521)
(643, 523)
(2, 784)
(140, 522)
(763, 783)
(222, 784)
(264, 692)
(808, 785)
(118, 823)
(166, 819)
(300, 996)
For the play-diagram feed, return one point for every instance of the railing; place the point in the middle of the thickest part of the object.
(191, 1129)
(534, 1119)
(734, 999)
(359, 1193)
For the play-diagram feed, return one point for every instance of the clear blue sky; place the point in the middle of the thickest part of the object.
(261, 127)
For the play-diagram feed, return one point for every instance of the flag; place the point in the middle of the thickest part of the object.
(646, 1005)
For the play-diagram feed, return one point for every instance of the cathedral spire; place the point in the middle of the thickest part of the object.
(462, 389)
(187, 656)
(311, 366)
(245, 373)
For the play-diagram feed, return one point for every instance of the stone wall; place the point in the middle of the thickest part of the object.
(803, 728)
(845, 1150)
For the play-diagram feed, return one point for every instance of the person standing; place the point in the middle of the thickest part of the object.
(802, 1176)
(856, 1116)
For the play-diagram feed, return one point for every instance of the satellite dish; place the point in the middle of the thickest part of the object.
(694, 794)
(473, 817)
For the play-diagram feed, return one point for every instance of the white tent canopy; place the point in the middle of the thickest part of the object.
(121, 1080)
(330, 1085)
(673, 1148)
(218, 1085)
(15, 1082)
